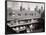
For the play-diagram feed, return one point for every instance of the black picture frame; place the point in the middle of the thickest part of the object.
(20, 1)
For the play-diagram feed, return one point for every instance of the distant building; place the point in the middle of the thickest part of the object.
(36, 9)
(20, 8)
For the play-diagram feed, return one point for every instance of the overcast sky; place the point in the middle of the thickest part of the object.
(16, 5)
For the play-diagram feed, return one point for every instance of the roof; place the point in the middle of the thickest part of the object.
(23, 16)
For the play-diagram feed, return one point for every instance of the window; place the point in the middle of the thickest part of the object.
(19, 14)
(25, 14)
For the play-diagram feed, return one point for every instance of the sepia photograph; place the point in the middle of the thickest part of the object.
(24, 17)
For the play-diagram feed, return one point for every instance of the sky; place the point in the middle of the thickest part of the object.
(16, 5)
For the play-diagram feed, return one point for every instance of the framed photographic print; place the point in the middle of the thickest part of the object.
(24, 17)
